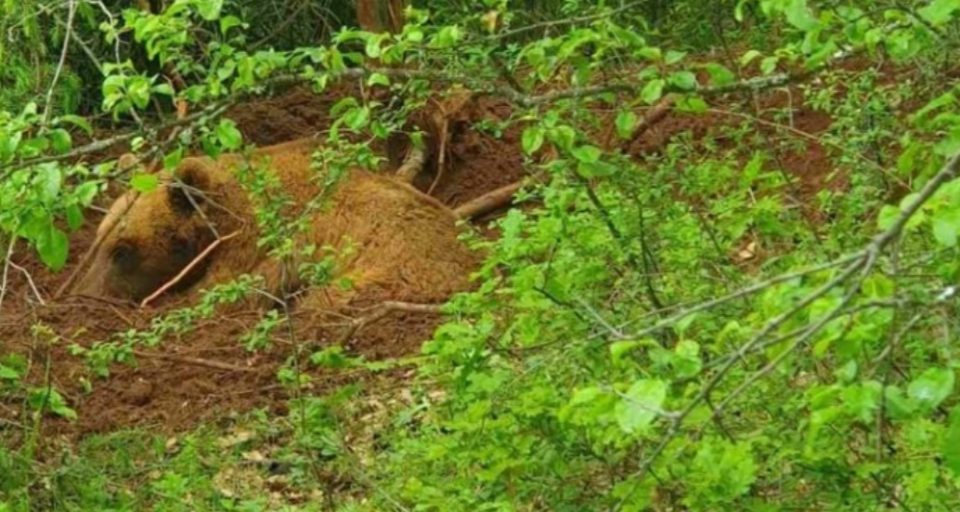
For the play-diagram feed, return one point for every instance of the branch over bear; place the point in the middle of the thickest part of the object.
(403, 244)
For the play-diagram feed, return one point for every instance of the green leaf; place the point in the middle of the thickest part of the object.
(50, 180)
(447, 37)
(692, 104)
(652, 91)
(641, 404)
(673, 57)
(378, 79)
(209, 10)
(50, 399)
(228, 134)
(800, 16)
(749, 57)
(77, 121)
(60, 141)
(626, 122)
(173, 158)
(888, 215)
(228, 22)
(74, 217)
(53, 247)
(7, 373)
(939, 12)
(595, 169)
(619, 348)
(357, 118)
(684, 80)
(144, 182)
(8, 144)
(719, 74)
(951, 442)
(563, 136)
(532, 139)
(932, 387)
(945, 231)
(769, 65)
(372, 48)
(897, 404)
(687, 362)
(164, 89)
(86, 191)
(587, 154)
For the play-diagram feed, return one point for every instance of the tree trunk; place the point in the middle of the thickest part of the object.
(381, 15)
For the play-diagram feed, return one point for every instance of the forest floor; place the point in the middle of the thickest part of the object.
(207, 375)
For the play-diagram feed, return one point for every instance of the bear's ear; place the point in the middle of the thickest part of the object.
(192, 180)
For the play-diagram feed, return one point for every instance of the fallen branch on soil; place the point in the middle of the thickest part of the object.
(411, 167)
(196, 361)
(489, 202)
(186, 270)
(383, 309)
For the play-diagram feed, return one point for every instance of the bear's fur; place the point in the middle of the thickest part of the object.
(403, 244)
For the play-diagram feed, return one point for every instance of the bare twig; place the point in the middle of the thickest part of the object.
(383, 309)
(183, 273)
(196, 361)
(6, 269)
(71, 12)
(33, 286)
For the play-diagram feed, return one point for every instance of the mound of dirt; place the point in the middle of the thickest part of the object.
(207, 373)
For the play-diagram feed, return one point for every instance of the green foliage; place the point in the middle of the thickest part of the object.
(614, 355)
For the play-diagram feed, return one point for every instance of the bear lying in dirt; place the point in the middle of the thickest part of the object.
(401, 244)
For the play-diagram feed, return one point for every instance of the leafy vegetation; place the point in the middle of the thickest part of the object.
(689, 328)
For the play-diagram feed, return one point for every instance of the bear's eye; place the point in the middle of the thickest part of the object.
(125, 256)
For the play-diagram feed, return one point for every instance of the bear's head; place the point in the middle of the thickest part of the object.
(147, 239)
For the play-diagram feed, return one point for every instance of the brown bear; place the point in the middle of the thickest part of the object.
(394, 241)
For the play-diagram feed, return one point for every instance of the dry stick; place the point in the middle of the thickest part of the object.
(383, 309)
(411, 167)
(488, 202)
(200, 257)
(72, 10)
(6, 269)
(195, 361)
(863, 261)
(442, 152)
(30, 282)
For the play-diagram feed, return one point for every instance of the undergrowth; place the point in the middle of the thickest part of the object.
(685, 328)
